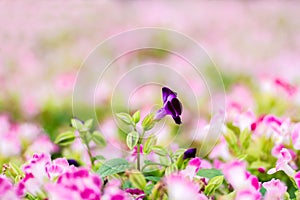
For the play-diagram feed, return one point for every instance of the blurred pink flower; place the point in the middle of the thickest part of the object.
(296, 136)
(65, 82)
(244, 120)
(113, 191)
(248, 194)
(42, 144)
(180, 187)
(277, 86)
(297, 179)
(79, 183)
(246, 185)
(221, 150)
(7, 189)
(30, 106)
(275, 189)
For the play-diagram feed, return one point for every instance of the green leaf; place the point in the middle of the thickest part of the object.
(245, 138)
(159, 150)
(88, 124)
(230, 137)
(151, 141)
(136, 117)
(153, 178)
(98, 138)
(98, 157)
(113, 166)
(213, 184)
(209, 173)
(124, 117)
(148, 122)
(77, 124)
(132, 139)
(65, 138)
(172, 168)
(137, 179)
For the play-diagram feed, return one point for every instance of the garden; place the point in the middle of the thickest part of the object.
(129, 100)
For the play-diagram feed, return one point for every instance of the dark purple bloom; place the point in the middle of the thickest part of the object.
(139, 194)
(190, 153)
(73, 162)
(172, 106)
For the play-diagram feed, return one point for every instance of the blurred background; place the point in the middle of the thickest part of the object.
(43, 45)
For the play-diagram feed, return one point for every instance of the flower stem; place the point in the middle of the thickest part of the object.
(138, 160)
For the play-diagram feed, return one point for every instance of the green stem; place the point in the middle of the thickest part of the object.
(89, 150)
(138, 160)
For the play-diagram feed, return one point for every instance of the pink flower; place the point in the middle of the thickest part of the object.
(244, 120)
(42, 144)
(78, 183)
(275, 190)
(282, 163)
(248, 194)
(221, 150)
(65, 82)
(296, 136)
(7, 190)
(235, 174)
(39, 171)
(180, 188)
(275, 128)
(192, 168)
(297, 178)
(246, 185)
(113, 192)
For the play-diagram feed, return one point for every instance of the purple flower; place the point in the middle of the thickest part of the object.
(190, 153)
(172, 106)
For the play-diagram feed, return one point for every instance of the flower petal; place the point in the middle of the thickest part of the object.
(170, 109)
(177, 106)
(166, 92)
(177, 120)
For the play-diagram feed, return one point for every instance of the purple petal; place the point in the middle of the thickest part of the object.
(161, 113)
(177, 106)
(166, 92)
(190, 153)
(170, 109)
(177, 120)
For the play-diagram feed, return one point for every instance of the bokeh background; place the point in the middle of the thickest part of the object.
(43, 45)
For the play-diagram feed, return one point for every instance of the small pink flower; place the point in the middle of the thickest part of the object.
(39, 171)
(192, 168)
(275, 128)
(275, 190)
(282, 163)
(244, 120)
(180, 188)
